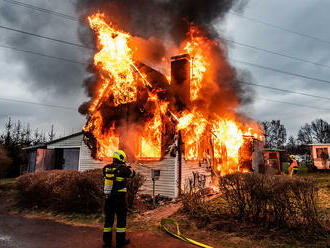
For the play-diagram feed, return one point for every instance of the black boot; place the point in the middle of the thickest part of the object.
(121, 240)
(107, 239)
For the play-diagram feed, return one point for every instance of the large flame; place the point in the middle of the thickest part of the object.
(196, 47)
(151, 139)
(193, 126)
(120, 82)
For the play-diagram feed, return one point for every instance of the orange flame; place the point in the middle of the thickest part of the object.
(151, 139)
(120, 81)
(193, 126)
(108, 139)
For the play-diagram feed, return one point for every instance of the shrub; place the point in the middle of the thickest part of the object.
(66, 191)
(195, 203)
(276, 200)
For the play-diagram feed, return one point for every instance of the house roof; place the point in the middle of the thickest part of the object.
(44, 145)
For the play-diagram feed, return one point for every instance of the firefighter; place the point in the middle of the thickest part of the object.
(293, 164)
(115, 188)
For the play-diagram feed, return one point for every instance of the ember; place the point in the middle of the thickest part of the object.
(138, 109)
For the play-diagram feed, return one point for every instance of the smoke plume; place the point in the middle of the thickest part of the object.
(159, 27)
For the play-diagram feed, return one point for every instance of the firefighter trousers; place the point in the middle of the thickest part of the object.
(115, 204)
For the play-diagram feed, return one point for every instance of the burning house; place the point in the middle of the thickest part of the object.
(167, 96)
(180, 121)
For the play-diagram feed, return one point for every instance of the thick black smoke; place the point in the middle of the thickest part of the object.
(56, 77)
(159, 18)
(159, 21)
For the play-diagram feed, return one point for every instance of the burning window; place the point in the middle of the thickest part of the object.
(322, 153)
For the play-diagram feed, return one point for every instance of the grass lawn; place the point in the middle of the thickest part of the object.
(6, 180)
(323, 179)
(6, 183)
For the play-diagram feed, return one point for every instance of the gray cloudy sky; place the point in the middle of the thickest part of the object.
(33, 78)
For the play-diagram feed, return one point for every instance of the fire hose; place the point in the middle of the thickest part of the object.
(164, 225)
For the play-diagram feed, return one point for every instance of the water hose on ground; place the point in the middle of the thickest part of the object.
(165, 222)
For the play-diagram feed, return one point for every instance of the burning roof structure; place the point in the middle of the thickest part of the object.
(142, 104)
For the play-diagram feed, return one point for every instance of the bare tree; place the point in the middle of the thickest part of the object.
(316, 132)
(275, 134)
(321, 131)
(305, 135)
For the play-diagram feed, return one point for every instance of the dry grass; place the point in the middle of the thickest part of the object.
(238, 220)
(277, 201)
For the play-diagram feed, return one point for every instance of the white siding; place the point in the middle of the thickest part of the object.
(188, 167)
(166, 184)
(86, 161)
(74, 141)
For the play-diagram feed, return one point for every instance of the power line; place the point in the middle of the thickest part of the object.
(294, 104)
(82, 63)
(46, 37)
(277, 53)
(59, 14)
(70, 108)
(281, 71)
(243, 62)
(72, 18)
(43, 55)
(52, 12)
(278, 27)
(285, 90)
(36, 103)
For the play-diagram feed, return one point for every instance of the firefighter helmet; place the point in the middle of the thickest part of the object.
(119, 155)
(292, 157)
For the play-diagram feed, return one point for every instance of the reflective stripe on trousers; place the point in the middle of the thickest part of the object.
(120, 230)
(107, 229)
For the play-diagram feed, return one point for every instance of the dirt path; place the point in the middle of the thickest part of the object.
(161, 212)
